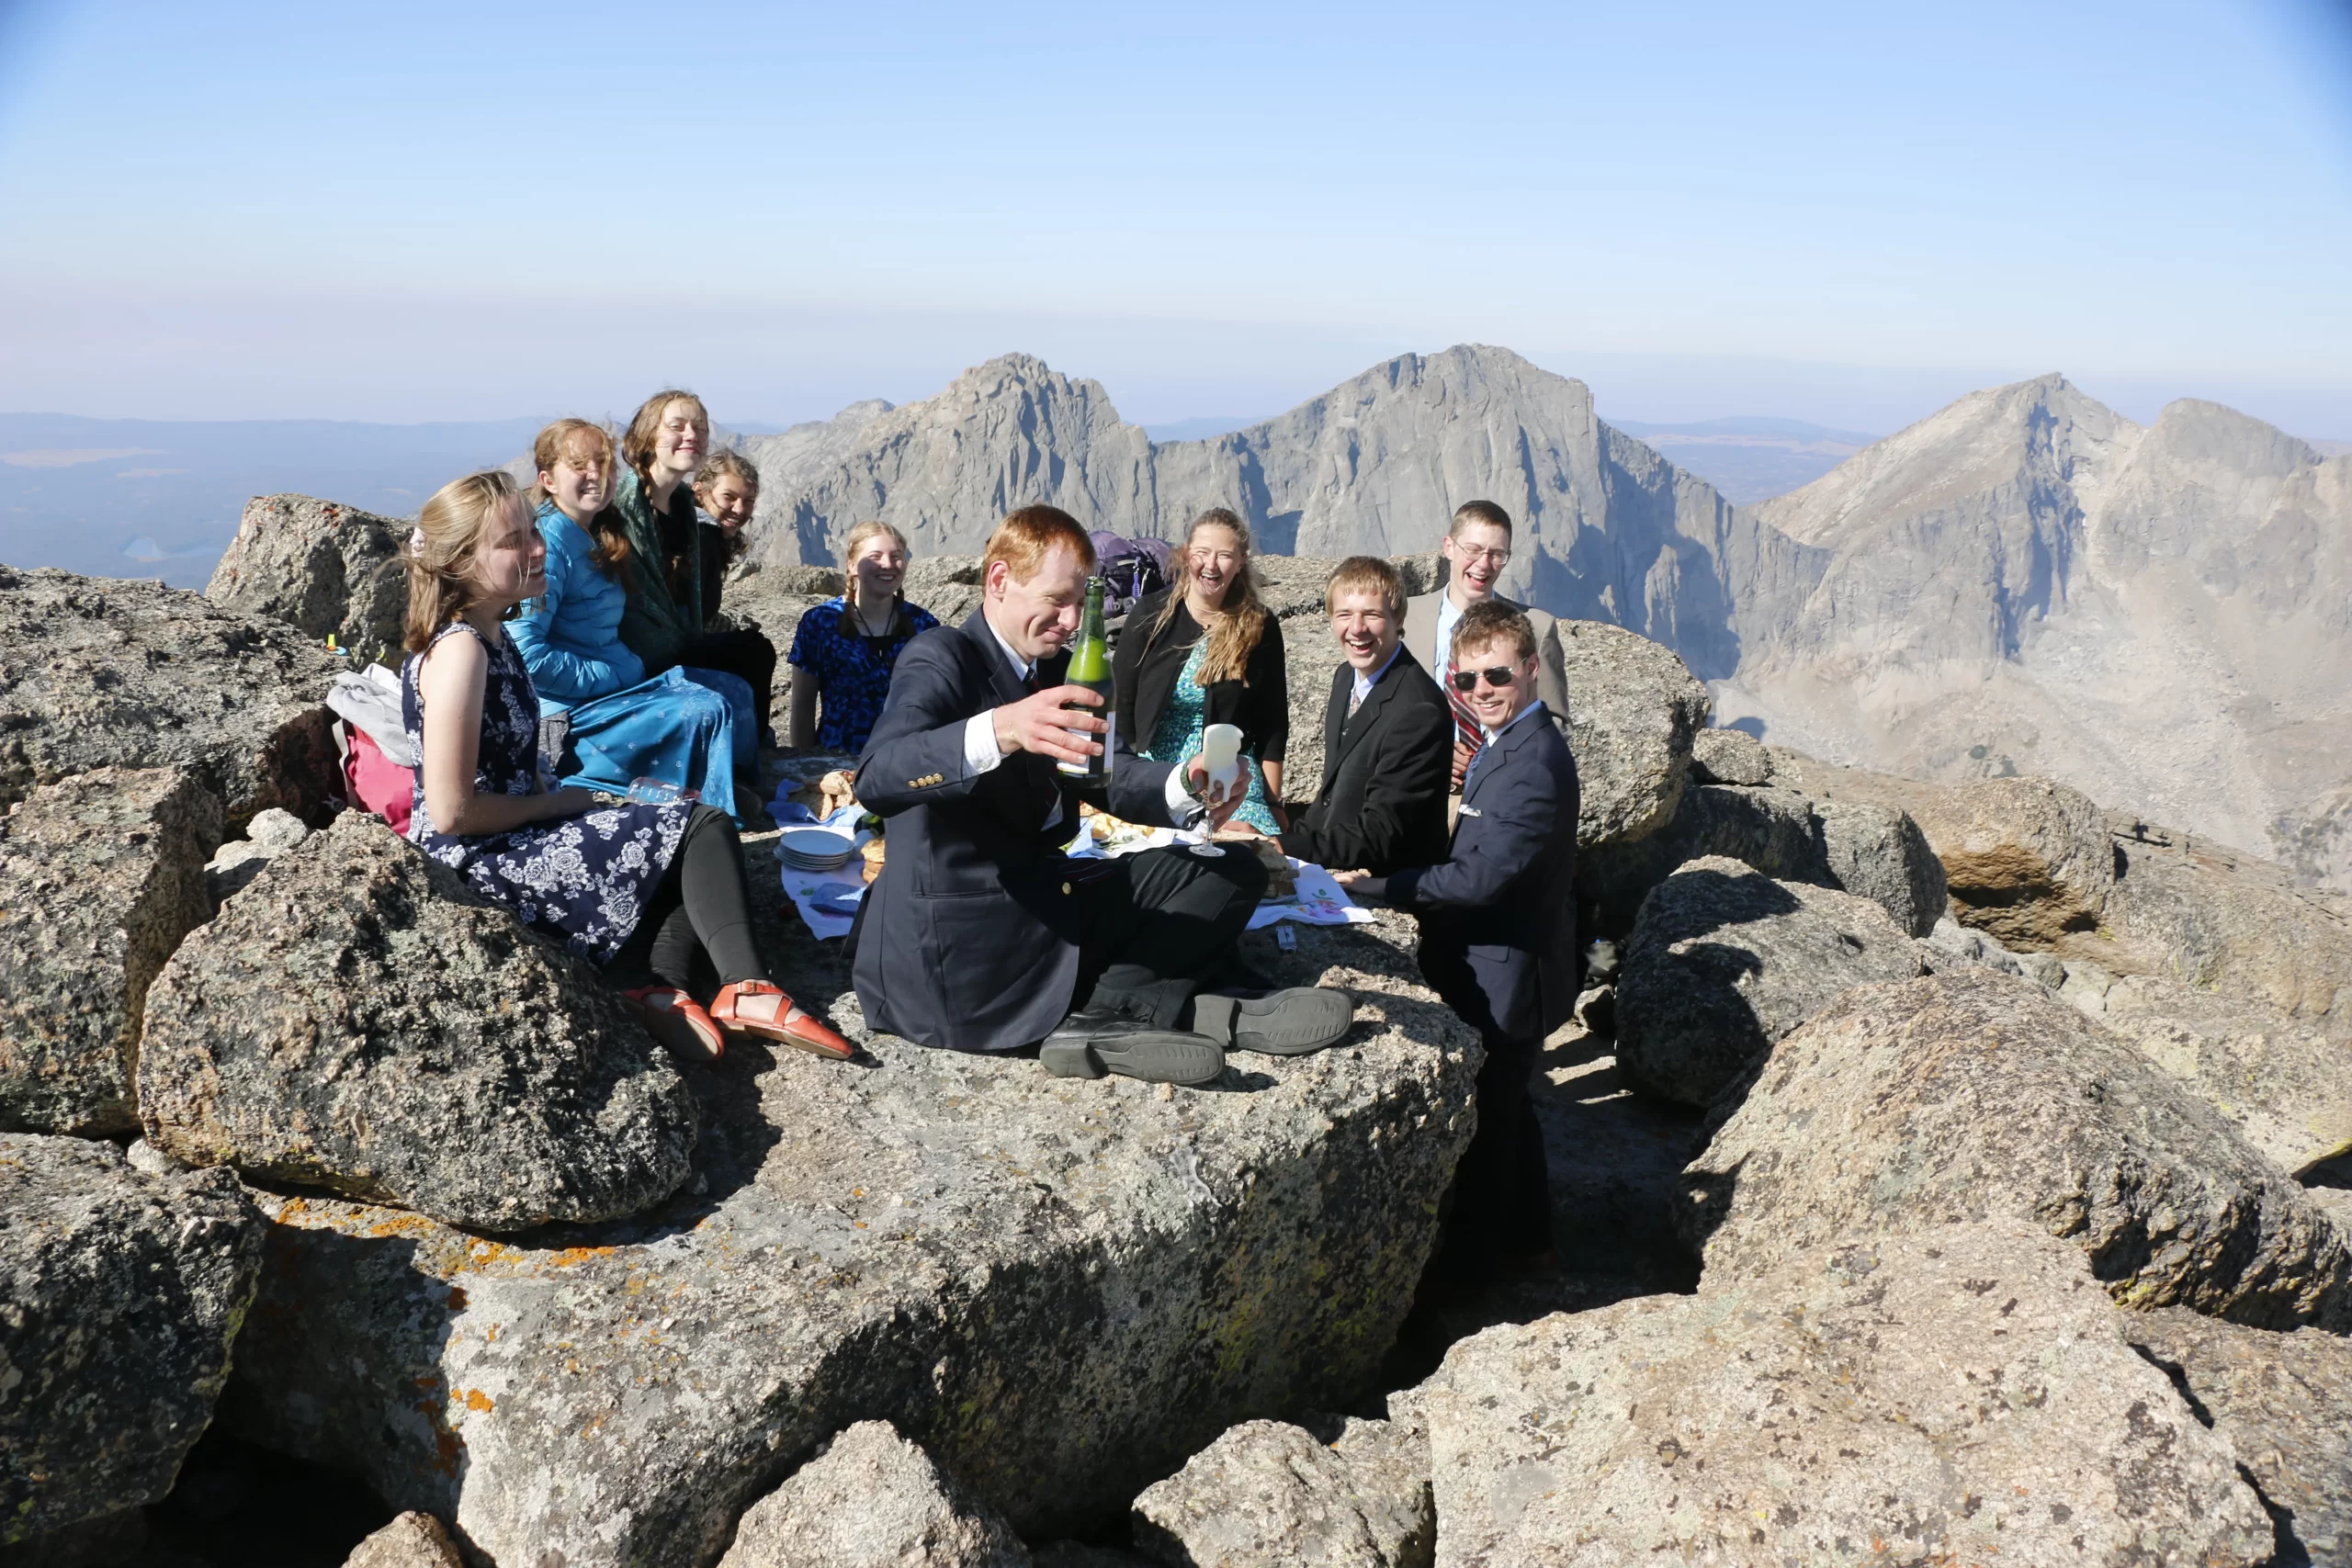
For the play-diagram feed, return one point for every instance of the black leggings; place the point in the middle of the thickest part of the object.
(701, 906)
(745, 653)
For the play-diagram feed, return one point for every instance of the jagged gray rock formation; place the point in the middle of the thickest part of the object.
(1769, 828)
(1879, 853)
(1059, 1288)
(2284, 1402)
(1268, 1491)
(1634, 711)
(98, 672)
(1725, 961)
(1730, 757)
(1963, 1394)
(100, 877)
(359, 1019)
(234, 865)
(412, 1540)
(2284, 1083)
(2157, 617)
(2151, 616)
(328, 568)
(872, 1500)
(1608, 530)
(2043, 870)
(119, 1293)
(1966, 1095)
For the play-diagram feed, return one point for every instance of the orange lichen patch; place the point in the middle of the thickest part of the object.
(573, 1257)
(397, 1224)
(476, 1400)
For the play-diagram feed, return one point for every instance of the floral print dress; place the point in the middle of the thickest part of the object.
(582, 880)
(1178, 739)
(853, 669)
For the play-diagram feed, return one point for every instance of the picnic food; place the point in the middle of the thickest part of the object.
(1281, 879)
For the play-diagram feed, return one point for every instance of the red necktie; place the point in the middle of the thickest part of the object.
(1467, 732)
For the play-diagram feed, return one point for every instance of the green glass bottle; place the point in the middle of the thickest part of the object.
(1089, 666)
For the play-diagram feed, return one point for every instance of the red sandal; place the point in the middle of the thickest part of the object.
(756, 1007)
(678, 1022)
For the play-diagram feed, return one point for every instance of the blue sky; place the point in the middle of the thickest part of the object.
(1846, 213)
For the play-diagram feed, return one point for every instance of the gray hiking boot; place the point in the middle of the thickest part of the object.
(1295, 1023)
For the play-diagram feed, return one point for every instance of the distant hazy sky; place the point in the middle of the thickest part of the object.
(1841, 212)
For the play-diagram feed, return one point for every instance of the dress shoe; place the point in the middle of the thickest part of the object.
(1295, 1022)
(1123, 1033)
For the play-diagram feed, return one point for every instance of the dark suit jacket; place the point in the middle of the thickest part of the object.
(1385, 775)
(1143, 675)
(969, 937)
(1498, 916)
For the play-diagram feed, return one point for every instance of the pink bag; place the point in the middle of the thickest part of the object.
(374, 782)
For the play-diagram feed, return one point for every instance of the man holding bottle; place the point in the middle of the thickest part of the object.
(980, 934)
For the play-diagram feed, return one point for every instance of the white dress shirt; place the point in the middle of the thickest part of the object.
(1364, 683)
(1442, 656)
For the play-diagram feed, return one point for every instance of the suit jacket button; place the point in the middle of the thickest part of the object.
(1065, 887)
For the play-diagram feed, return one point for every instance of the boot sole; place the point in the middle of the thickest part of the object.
(1153, 1056)
(1296, 1022)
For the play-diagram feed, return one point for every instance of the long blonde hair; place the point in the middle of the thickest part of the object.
(872, 528)
(1233, 634)
(441, 552)
(562, 440)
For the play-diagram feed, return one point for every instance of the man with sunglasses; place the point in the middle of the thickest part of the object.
(1498, 936)
(1476, 547)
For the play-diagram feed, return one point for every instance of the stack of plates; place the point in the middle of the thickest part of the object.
(816, 848)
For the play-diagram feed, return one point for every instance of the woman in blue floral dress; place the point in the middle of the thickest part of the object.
(657, 886)
(846, 649)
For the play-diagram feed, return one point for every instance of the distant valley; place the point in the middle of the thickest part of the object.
(160, 498)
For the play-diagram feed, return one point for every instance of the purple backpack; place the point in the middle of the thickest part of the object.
(1129, 569)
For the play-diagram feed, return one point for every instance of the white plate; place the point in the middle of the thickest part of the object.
(817, 843)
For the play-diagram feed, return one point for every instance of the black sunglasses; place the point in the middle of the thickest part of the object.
(1501, 675)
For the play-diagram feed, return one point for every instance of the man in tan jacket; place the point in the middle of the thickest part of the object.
(1476, 547)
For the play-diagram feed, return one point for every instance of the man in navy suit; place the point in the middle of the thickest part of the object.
(1499, 934)
(980, 934)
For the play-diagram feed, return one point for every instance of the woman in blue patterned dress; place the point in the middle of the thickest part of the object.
(846, 649)
(627, 885)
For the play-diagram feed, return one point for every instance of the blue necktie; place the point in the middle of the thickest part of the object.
(1472, 770)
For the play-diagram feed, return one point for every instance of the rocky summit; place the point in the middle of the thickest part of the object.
(1935, 1166)
(1060, 1288)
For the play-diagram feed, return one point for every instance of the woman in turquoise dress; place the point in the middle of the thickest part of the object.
(1207, 652)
